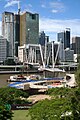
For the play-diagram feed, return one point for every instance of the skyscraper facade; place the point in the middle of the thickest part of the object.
(43, 38)
(20, 29)
(29, 28)
(8, 31)
(64, 37)
(16, 33)
(69, 55)
(76, 45)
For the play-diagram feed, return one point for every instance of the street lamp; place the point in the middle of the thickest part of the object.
(28, 35)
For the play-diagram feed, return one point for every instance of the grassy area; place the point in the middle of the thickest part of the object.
(20, 115)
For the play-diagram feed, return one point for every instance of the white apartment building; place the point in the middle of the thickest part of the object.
(31, 53)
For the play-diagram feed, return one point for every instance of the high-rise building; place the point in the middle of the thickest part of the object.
(16, 33)
(8, 31)
(69, 55)
(64, 37)
(29, 28)
(76, 45)
(20, 29)
(3, 48)
(43, 38)
(31, 53)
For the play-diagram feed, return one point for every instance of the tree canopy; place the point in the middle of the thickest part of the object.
(54, 109)
(10, 96)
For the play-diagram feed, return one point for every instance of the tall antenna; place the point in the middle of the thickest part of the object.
(19, 7)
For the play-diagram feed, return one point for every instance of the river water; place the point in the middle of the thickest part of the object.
(3, 79)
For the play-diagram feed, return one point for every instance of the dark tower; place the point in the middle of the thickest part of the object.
(43, 38)
(17, 30)
(16, 33)
(64, 37)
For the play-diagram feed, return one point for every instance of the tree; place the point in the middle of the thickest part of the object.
(54, 109)
(58, 91)
(75, 104)
(75, 99)
(10, 95)
(5, 114)
(77, 75)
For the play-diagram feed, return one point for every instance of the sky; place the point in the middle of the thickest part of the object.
(54, 15)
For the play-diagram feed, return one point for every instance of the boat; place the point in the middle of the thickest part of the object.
(22, 78)
(43, 83)
(17, 78)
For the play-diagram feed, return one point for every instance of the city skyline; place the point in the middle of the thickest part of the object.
(55, 15)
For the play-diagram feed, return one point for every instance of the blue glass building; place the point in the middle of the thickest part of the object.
(64, 37)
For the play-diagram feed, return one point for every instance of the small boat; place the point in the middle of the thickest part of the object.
(17, 78)
(22, 78)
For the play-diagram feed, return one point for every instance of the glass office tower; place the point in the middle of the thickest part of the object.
(29, 28)
(64, 37)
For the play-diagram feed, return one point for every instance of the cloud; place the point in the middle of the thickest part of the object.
(11, 3)
(43, 6)
(54, 11)
(57, 6)
(51, 26)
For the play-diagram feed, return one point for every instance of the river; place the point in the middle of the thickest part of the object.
(3, 79)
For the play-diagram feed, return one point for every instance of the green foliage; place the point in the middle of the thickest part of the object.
(75, 104)
(64, 105)
(49, 109)
(58, 91)
(11, 95)
(75, 99)
(77, 75)
(54, 109)
(5, 114)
